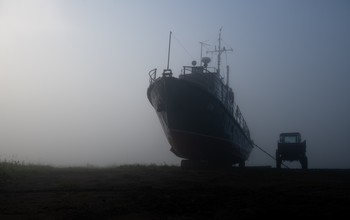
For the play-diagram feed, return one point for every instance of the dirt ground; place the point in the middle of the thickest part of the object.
(165, 192)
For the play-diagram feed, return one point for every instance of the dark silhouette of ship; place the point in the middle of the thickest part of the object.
(198, 114)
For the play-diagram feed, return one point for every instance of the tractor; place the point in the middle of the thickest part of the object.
(291, 148)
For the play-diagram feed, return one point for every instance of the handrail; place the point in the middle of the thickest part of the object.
(201, 68)
(238, 116)
(152, 75)
(236, 113)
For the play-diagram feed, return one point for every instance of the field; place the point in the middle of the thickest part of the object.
(168, 192)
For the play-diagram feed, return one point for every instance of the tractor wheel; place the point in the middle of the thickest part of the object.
(278, 163)
(278, 160)
(304, 164)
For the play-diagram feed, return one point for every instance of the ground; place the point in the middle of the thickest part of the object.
(168, 192)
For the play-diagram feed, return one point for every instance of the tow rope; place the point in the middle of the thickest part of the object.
(269, 154)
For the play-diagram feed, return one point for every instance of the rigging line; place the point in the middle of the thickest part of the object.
(268, 154)
(230, 48)
(205, 45)
(227, 44)
(178, 41)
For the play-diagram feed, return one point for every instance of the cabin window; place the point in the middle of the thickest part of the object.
(289, 139)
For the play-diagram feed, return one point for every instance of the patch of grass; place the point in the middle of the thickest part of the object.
(10, 169)
(14, 168)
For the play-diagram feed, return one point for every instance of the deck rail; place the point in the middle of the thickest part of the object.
(152, 75)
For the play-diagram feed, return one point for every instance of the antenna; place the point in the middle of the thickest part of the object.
(167, 67)
(219, 51)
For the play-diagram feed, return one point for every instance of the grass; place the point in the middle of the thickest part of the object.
(168, 192)
(12, 170)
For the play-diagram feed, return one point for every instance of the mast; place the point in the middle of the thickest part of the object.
(219, 54)
(169, 50)
(227, 75)
(167, 71)
(219, 51)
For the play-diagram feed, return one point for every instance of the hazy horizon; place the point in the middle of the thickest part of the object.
(74, 75)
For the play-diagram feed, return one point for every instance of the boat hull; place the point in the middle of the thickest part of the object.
(196, 124)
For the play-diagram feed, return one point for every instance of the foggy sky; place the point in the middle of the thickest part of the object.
(74, 75)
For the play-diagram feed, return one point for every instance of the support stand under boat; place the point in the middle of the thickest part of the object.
(204, 164)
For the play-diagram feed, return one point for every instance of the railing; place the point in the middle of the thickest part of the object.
(197, 69)
(231, 107)
(152, 75)
(240, 119)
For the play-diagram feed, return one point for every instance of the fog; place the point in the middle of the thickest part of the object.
(74, 75)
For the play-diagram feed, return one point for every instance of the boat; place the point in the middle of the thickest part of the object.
(198, 113)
